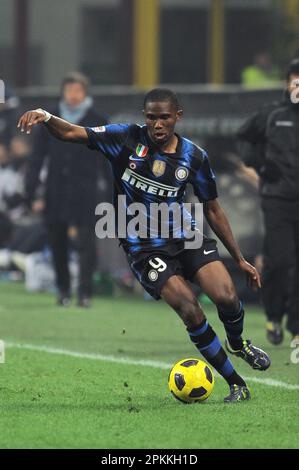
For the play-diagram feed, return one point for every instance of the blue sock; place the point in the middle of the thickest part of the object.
(207, 342)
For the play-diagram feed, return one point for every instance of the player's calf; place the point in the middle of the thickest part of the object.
(233, 321)
(232, 317)
(207, 342)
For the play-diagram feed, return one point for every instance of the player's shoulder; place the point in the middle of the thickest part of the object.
(113, 128)
(193, 151)
(137, 130)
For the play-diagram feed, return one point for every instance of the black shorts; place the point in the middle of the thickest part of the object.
(153, 269)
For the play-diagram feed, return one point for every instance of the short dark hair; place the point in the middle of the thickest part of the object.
(293, 68)
(162, 94)
(76, 77)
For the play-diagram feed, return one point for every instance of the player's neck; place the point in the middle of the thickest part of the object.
(170, 146)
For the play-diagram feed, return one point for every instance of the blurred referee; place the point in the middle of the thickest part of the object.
(71, 193)
(269, 142)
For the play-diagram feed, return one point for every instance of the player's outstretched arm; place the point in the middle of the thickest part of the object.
(219, 223)
(59, 128)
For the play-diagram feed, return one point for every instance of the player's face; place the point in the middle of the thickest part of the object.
(73, 94)
(160, 119)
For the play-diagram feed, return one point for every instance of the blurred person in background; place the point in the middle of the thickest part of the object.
(268, 142)
(70, 189)
(19, 152)
(27, 233)
(5, 223)
(12, 173)
(261, 73)
(5, 231)
(3, 170)
(8, 114)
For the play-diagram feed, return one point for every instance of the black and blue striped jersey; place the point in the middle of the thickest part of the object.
(145, 174)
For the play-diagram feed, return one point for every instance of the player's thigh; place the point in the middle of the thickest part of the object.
(178, 294)
(217, 284)
(153, 271)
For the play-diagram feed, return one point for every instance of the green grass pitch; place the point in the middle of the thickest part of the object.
(114, 393)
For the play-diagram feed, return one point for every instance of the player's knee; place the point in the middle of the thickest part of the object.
(227, 299)
(190, 312)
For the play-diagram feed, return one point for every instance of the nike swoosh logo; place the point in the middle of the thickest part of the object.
(136, 159)
(208, 252)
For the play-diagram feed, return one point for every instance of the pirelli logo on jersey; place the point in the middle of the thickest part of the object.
(147, 185)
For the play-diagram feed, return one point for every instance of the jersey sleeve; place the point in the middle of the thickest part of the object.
(203, 180)
(110, 139)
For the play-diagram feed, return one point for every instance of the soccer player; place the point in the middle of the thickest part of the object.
(153, 164)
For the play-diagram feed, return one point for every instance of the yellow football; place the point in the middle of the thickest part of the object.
(191, 380)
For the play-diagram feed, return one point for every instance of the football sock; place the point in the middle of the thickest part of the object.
(233, 323)
(207, 342)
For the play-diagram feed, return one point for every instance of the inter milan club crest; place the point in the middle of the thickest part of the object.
(181, 173)
(141, 150)
(153, 275)
(159, 167)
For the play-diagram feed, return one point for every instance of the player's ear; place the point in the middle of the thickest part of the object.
(179, 114)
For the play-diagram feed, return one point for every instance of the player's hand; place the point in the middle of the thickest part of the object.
(253, 277)
(31, 118)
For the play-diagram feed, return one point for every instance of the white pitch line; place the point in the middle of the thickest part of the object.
(94, 356)
(136, 362)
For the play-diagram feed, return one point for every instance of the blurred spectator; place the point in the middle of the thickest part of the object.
(9, 181)
(5, 230)
(3, 155)
(12, 173)
(3, 165)
(8, 116)
(261, 74)
(70, 189)
(14, 196)
(26, 232)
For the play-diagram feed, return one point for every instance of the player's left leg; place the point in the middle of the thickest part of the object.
(177, 293)
(216, 282)
(162, 276)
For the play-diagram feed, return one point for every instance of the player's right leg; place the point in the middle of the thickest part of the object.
(216, 282)
(180, 297)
